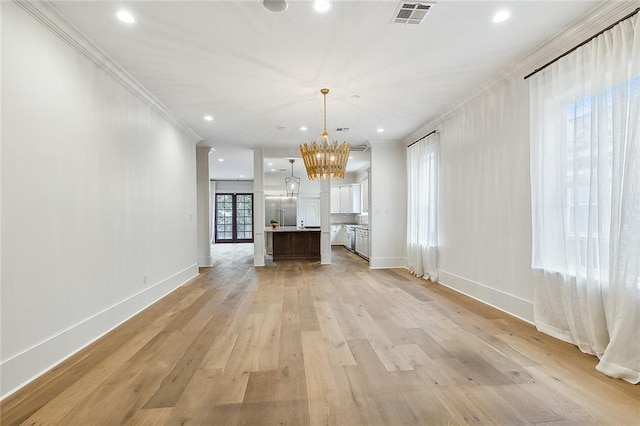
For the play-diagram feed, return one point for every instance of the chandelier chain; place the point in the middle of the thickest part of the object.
(324, 92)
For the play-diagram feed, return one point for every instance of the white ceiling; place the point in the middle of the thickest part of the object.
(259, 74)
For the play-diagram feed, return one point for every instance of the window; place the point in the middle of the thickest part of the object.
(589, 163)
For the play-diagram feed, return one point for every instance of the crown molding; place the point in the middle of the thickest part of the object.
(387, 143)
(46, 14)
(581, 29)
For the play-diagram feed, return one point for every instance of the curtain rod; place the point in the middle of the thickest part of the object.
(428, 134)
(582, 44)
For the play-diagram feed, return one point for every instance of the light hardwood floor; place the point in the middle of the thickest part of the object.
(297, 343)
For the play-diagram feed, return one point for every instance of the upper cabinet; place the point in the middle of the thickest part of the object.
(335, 199)
(346, 198)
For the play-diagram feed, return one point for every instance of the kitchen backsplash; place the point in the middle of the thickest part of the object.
(349, 218)
(337, 218)
(362, 219)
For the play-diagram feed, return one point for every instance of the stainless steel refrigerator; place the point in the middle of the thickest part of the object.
(282, 209)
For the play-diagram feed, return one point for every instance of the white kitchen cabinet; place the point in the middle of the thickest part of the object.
(365, 243)
(342, 238)
(335, 232)
(335, 199)
(346, 198)
(362, 242)
(356, 198)
(348, 236)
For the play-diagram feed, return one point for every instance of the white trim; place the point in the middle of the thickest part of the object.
(46, 13)
(580, 30)
(505, 302)
(387, 143)
(49, 353)
(387, 262)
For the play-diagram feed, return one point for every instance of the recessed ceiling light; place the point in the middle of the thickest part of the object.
(501, 16)
(273, 170)
(275, 6)
(221, 159)
(380, 130)
(350, 158)
(208, 118)
(303, 128)
(125, 16)
(321, 6)
(241, 176)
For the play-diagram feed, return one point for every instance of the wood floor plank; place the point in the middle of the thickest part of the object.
(338, 349)
(291, 379)
(381, 343)
(430, 346)
(261, 386)
(321, 385)
(176, 380)
(301, 343)
(242, 361)
(308, 317)
(153, 417)
(348, 323)
(290, 307)
(428, 409)
(220, 351)
(268, 345)
(202, 390)
(524, 402)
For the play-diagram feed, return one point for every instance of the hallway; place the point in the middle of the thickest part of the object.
(298, 343)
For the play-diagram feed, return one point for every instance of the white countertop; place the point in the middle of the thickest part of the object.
(351, 225)
(290, 229)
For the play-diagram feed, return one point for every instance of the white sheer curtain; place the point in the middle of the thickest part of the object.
(585, 183)
(422, 225)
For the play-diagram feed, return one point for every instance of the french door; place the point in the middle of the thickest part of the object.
(234, 218)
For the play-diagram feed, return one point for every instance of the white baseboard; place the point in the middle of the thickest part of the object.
(513, 305)
(387, 262)
(21, 369)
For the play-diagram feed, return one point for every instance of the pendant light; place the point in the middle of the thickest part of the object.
(292, 182)
(324, 159)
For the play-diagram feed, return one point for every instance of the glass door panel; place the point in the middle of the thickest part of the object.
(234, 218)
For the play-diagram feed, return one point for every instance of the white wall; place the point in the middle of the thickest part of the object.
(98, 201)
(234, 186)
(388, 215)
(274, 185)
(485, 210)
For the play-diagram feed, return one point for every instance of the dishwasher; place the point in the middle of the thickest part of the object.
(351, 238)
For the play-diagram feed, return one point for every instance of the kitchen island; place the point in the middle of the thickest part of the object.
(290, 242)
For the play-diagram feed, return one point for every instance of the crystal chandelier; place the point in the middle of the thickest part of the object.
(292, 182)
(324, 159)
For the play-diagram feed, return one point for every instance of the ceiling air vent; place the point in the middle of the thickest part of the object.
(359, 148)
(412, 13)
(342, 129)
